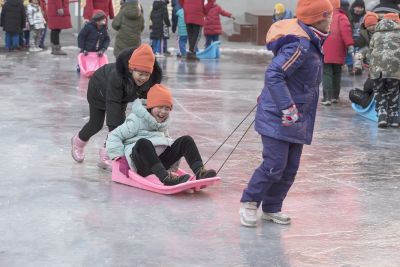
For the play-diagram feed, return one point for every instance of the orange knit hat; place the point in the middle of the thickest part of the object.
(335, 3)
(392, 16)
(370, 19)
(313, 11)
(159, 95)
(142, 59)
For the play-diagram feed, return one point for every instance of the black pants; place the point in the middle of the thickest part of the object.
(95, 123)
(145, 158)
(387, 96)
(55, 37)
(193, 31)
(332, 76)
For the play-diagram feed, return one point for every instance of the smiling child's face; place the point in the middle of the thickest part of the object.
(140, 77)
(160, 113)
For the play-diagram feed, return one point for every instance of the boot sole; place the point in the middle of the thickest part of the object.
(72, 151)
(272, 219)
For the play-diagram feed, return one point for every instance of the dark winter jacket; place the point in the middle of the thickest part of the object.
(387, 6)
(194, 11)
(56, 21)
(93, 39)
(159, 18)
(355, 19)
(175, 7)
(13, 16)
(293, 77)
(129, 23)
(104, 5)
(364, 38)
(111, 88)
(212, 24)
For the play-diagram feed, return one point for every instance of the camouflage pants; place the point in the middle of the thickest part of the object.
(387, 96)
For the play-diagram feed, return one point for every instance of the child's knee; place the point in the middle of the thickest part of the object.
(187, 138)
(143, 143)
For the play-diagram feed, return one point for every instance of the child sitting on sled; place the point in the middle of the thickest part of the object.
(143, 144)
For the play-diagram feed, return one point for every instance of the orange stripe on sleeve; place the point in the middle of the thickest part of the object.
(292, 60)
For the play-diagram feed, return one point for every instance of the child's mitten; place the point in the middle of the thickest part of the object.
(290, 116)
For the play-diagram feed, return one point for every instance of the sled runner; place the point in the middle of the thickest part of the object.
(90, 63)
(368, 112)
(152, 183)
(211, 52)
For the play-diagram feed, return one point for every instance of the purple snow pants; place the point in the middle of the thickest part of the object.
(272, 180)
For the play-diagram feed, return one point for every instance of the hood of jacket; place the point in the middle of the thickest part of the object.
(140, 111)
(158, 5)
(287, 31)
(386, 25)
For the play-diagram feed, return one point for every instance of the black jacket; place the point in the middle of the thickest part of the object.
(92, 39)
(387, 6)
(111, 88)
(159, 16)
(13, 16)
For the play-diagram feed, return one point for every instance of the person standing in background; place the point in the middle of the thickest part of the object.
(194, 19)
(59, 19)
(281, 13)
(104, 5)
(13, 19)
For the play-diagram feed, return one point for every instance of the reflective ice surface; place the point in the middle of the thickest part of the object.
(55, 212)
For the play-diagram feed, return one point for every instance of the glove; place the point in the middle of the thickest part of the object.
(350, 50)
(290, 116)
(123, 166)
(100, 53)
(60, 12)
(84, 52)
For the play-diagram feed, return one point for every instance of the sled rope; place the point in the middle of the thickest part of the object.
(230, 135)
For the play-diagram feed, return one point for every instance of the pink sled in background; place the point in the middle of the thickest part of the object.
(90, 63)
(153, 184)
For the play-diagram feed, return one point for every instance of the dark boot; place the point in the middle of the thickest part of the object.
(383, 120)
(56, 50)
(394, 119)
(203, 173)
(168, 178)
(191, 56)
(172, 179)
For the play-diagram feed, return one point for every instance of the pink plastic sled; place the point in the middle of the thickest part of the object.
(90, 63)
(152, 183)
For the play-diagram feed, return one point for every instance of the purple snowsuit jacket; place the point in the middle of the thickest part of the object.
(293, 77)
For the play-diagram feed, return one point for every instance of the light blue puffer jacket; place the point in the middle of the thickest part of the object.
(182, 31)
(139, 124)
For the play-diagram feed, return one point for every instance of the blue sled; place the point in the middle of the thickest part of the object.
(368, 112)
(211, 52)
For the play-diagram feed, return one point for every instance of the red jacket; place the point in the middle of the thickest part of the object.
(105, 5)
(43, 7)
(194, 11)
(53, 19)
(212, 24)
(339, 39)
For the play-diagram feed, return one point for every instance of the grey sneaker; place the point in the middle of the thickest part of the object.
(335, 100)
(248, 214)
(276, 217)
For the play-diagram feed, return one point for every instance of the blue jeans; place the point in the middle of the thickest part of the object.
(156, 43)
(165, 45)
(272, 180)
(182, 45)
(211, 39)
(41, 45)
(12, 40)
